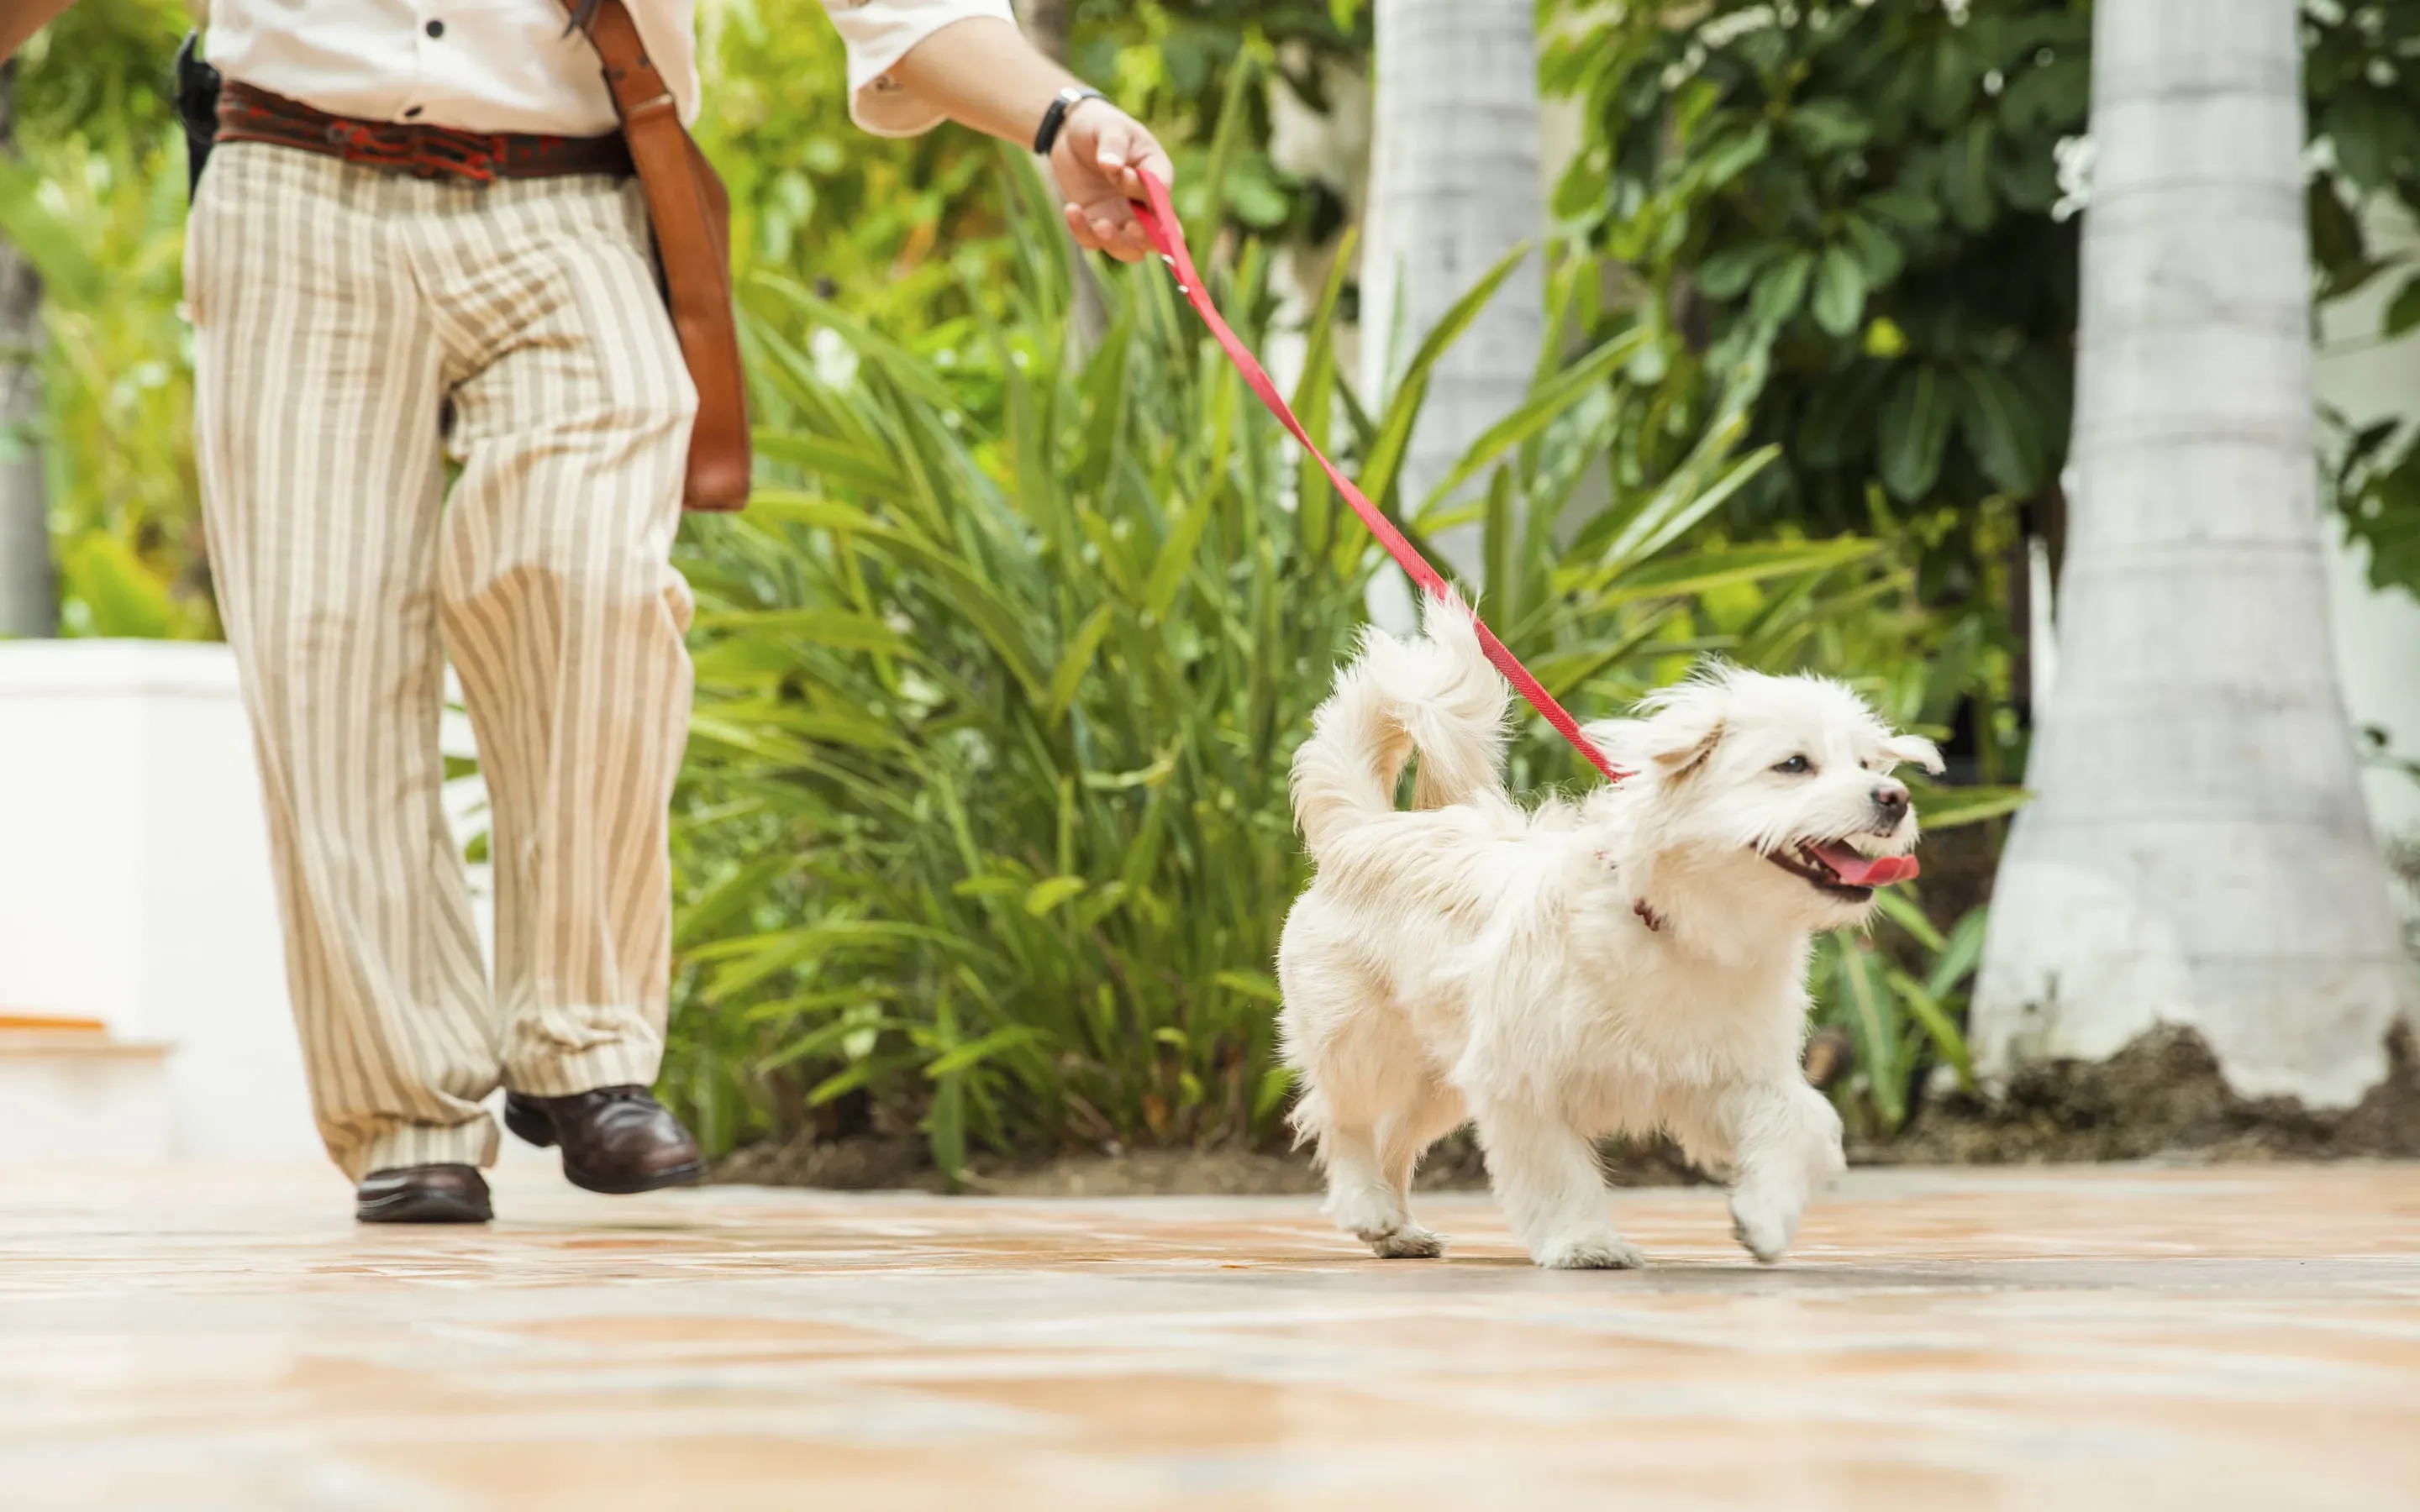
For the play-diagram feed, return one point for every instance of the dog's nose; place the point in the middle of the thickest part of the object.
(1890, 801)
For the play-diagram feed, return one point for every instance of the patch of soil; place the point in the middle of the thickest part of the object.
(860, 1163)
(1456, 1165)
(2161, 1095)
(1148, 1173)
(865, 1162)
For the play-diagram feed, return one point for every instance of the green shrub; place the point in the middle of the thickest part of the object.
(986, 819)
(96, 203)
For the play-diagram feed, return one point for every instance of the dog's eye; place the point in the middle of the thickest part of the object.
(1795, 766)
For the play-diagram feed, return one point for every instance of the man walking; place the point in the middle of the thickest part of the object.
(366, 312)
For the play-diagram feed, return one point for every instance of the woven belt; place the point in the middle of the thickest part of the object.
(250, 115)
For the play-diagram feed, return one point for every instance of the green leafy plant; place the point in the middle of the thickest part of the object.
(1864, 194)
(987, 822)
(102, 224)
(2362, 79)
(1900, 996)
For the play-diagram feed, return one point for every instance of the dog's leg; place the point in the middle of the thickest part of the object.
(1403, 1138)
(1547, 1176)
(1370, 1201)
(1788, 1140)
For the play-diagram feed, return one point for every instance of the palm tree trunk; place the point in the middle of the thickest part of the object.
(28, 598)
(2197, 853)
(1454, 186)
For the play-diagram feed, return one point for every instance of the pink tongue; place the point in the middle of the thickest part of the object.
(1866, 872)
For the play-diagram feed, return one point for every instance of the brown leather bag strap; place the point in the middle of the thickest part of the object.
(692, 215)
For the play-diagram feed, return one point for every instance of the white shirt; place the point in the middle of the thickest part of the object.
(506, 65)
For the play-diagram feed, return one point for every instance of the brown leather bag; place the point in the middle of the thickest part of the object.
(691, 216)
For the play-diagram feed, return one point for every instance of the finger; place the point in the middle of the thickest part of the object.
(1080, 227)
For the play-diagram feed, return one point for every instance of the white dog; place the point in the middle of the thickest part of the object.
(1633, 963)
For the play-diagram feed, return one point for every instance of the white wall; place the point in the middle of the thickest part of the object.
(135, 888)
(134, 881)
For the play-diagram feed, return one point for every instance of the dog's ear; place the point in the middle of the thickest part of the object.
(1684, 739)
(1914, 751)
(1679, 728)
(1673, 742)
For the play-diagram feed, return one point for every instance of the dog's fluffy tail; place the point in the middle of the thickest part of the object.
(1436, 695)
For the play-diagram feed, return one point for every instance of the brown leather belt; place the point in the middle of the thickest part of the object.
(250, 115)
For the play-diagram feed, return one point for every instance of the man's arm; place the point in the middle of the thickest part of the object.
(22, 18)
(984, 73)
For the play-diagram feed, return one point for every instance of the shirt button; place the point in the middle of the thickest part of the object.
(436, 28)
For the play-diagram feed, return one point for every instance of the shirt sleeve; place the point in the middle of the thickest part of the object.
(879, 33)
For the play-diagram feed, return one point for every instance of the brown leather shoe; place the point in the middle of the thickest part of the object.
(615, 1139)
(424, 1195)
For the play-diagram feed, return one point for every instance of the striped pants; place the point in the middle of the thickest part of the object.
(342, 313)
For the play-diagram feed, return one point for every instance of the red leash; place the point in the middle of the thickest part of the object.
(1160, 224)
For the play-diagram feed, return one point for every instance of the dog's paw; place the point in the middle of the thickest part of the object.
(1763, 1226)
(1410, 1242)
(1601, 1251)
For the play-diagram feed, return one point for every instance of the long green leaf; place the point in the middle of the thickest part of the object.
(1923, 1007)
(835, 629)
(1959, 955)
(1873, 1025)
(1074, 663)
(975, 1052)
(1901, 910)
(1949, 807)
(1694, 572)
(1394, 436)
(1313, 392)
(737, 894)
(1543, 407)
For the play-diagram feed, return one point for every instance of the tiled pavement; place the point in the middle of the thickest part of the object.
(2131, 1340)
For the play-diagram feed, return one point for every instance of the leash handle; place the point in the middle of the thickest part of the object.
(1160, 224)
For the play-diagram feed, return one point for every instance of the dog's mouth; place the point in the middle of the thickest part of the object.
(1836, 867)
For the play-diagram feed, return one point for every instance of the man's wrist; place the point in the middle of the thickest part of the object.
(1054, 120)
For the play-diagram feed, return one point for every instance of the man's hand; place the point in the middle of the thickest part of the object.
(982, 74)
(1099, 161)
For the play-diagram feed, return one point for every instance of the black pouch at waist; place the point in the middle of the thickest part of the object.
(198, 108)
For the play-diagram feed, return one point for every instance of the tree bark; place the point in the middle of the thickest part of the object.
(1454, 186)
(28, 595)
(2197, 853)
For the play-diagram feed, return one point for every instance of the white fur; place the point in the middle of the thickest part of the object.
(1467, 960)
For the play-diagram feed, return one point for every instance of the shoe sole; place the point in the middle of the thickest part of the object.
(630, 1186)
(423, 1208)
(539, 1131)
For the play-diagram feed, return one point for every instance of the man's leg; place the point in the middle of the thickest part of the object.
(565, 621)
(316, 416)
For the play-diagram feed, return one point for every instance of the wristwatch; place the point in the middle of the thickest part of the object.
(1056, 117)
